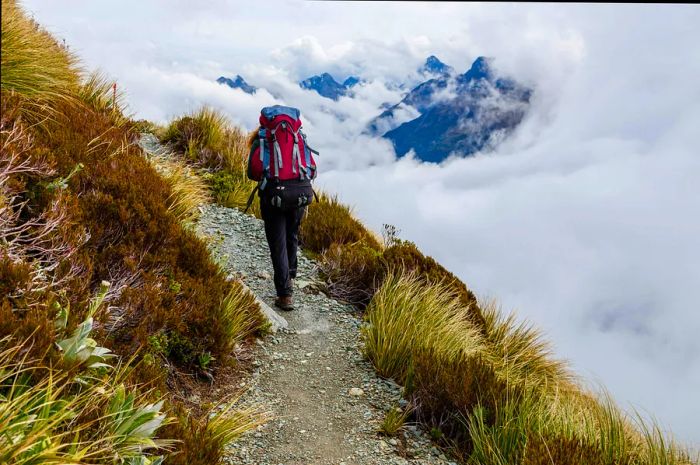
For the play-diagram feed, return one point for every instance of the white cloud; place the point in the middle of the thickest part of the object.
(585, 220)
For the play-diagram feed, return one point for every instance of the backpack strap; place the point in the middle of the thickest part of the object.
(296, 158)
(250, 198)
(264, 151)
(307, 154)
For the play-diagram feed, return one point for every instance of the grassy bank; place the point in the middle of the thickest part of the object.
(85, 217)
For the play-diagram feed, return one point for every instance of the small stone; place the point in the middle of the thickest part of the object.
(356, 392)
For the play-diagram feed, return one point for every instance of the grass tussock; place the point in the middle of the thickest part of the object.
(395, 420)
(496, 395)
(188, 189)
(205, 437)
(329, 222)
(206, 140)
(33, 64)
(354, 271)
(405, 318)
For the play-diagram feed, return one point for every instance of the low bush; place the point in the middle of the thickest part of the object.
(329, 222)
(352, 272)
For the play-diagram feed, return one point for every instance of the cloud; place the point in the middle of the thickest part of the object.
(585, 219)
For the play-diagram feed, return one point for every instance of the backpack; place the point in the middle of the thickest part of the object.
(281, 160)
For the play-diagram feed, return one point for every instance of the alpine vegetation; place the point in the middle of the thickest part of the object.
(109, 304)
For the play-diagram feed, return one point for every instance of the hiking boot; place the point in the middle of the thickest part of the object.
(284, 302)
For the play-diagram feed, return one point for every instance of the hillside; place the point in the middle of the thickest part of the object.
(135, 325)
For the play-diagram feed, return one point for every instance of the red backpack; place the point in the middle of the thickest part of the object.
(281, 160)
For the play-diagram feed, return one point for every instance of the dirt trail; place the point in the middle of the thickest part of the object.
(326, 400)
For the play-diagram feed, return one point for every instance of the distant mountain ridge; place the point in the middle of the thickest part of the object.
(462, 114)
(326, 86)
(447, 113)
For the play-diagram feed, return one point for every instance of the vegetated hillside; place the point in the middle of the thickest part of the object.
(110, 306)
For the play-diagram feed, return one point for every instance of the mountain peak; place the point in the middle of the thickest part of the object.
(325, 85)
(433, 65)
(351, 81)
(480, 69)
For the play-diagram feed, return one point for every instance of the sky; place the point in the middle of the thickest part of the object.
(585, 221)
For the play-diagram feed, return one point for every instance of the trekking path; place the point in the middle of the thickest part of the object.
(326, 400)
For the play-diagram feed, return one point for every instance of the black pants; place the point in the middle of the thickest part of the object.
(282, 233)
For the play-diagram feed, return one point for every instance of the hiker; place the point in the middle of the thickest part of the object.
(283, 164)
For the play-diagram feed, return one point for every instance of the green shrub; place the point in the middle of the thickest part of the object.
(232, 190)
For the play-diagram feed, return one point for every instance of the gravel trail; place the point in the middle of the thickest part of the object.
(326, 400)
